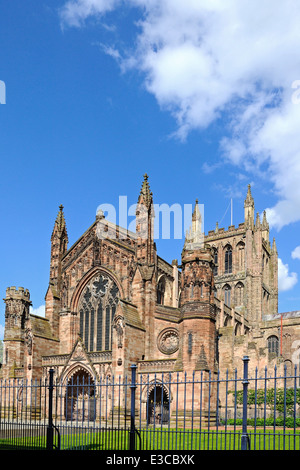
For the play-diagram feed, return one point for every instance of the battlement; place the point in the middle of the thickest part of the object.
(220, 231)
(17, 294)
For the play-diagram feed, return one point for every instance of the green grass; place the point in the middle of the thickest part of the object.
(164, 439)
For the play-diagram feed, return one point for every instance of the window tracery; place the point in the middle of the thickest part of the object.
(97, 307)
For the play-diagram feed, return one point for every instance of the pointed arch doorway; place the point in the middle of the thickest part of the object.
(80, 402)
(158, 405)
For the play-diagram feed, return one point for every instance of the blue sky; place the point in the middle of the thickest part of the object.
(98, 92)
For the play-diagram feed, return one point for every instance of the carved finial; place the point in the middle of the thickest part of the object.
(249, 199)
(146, 196)
(60, 222)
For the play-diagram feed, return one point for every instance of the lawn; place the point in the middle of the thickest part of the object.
(162, 439)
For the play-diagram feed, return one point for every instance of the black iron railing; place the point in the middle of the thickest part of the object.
(200, 410)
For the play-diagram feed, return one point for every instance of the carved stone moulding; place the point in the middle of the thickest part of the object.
(168, 341)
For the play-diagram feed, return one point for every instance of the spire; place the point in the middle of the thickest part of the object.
(274, 248)
(60, 223)
(249, 197)
(196, 218)
(257, 223)
(249, 201)
(59, 246)
(249, 208)
(265, 228)
(265, 224)
(194, 237)
(145, 224)
(146, 196)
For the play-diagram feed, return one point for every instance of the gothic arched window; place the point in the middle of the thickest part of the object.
(97, 307)
(228, 260)
(215, 255)
(227, 295)
(273, 345)
(241, 256)
(239, 294)
(161, 287)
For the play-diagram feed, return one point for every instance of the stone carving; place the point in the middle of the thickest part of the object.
(168, 341)
(119, 327)
(28, 340)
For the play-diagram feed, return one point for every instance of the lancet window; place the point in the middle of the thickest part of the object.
(227, 295)
(228, 260)
(273, 345)
(97, 307)
(161, 290)
(215, 255)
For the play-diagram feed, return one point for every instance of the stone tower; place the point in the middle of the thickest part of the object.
(144, 281)
(245, 273)
(249, 209)
(59, 245)
(17, 335)
(198, 318)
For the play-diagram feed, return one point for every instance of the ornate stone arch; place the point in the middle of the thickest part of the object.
(157, 398)
(73, 370)
(80, 394)
(86, 278)
(149, 387)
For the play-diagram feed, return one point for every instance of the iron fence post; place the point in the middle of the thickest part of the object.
(132, 408)
(245, 438)
(50, 405)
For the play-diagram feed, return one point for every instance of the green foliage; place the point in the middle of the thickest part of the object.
(280, 399)
(288, 422)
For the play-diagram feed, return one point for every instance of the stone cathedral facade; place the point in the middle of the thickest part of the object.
(112, 301)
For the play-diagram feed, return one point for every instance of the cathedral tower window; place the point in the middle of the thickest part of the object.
(239, 294)
(215, 255)
(241, 256)
(228, 260)
(97, 308)
(227, 295)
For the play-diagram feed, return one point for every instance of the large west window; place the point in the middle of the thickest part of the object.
(97, 307)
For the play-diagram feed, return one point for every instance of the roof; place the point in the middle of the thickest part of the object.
(40, 327)
(131, 315)
(284, 315)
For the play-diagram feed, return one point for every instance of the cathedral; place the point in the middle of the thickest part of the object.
(112, 301)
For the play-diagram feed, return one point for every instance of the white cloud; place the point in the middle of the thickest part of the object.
(1, 332)
(40, 311)
(201, 59)
(296, 253)
(75, 12)
(286, 280)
